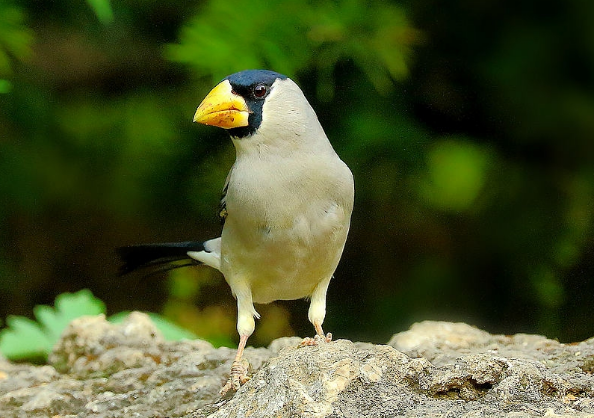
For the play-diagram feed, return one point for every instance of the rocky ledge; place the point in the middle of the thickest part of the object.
(435, 369)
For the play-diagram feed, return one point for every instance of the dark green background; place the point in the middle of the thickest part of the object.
(469, 127)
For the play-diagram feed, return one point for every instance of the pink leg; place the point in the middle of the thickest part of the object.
(239, 368)
(319, 338)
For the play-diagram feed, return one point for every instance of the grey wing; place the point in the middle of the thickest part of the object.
(223, 202)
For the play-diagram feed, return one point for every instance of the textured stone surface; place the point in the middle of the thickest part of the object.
(435, 369)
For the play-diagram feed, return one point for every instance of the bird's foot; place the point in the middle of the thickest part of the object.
(237, 377)
(318, 339)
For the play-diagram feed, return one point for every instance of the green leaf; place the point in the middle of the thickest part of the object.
(25, 339)
(69, 306)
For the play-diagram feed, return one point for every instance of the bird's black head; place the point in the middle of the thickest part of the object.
(254, 86)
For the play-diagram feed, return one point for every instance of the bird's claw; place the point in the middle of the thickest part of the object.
(237, 377)
(318, 339)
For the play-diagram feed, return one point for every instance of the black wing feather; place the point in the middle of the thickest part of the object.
(149, 255)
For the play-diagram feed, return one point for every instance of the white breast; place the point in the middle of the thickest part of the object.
(282, 240)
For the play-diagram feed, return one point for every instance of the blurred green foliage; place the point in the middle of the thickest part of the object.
(456, 174)
(15, 36)
(15, 41)
(311, 36)
(468, 128)
(102, 9)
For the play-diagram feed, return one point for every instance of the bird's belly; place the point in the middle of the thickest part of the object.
(281, 263)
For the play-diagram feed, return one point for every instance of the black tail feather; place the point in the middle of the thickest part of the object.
(150, 255)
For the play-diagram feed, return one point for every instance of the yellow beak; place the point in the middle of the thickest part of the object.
(223, 108)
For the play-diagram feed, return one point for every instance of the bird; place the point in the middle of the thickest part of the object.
(285, 209)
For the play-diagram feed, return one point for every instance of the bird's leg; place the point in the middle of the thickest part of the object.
(317, 312)
(319, 338)
(320, 334)
(245, 327)
(239, 369)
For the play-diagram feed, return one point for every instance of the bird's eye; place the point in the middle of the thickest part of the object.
(260, 90)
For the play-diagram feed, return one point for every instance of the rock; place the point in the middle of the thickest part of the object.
(436, 369)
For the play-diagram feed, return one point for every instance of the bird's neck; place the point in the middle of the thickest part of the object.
(265, 146)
